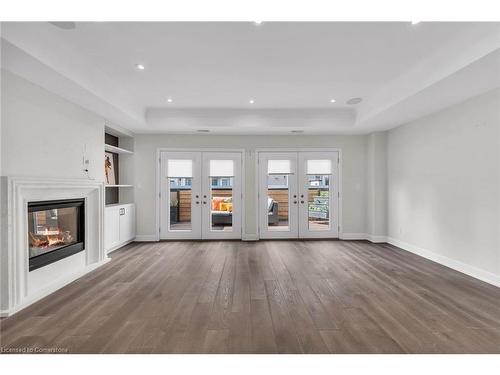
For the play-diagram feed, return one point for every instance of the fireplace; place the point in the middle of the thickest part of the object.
(56, 230)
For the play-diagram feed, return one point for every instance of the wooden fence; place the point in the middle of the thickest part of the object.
(185, 202)
(279, 195)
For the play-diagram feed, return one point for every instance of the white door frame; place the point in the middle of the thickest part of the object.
(301, 149)
(159, 150)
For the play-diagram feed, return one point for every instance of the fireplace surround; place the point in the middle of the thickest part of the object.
(20, 286)
(56, 230)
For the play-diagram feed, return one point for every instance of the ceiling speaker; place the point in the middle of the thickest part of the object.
(353, 101)
(64, 25)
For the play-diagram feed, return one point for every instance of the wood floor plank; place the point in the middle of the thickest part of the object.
(263, 339)
(216, 341)
(283, 326)
(256, 279)
(263, 297)
(367, 331)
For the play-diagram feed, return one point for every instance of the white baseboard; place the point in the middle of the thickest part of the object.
(110, 250)
(249, 237)
(52, 288)
(153, 238)
(363, 236)
(376, 238)
(467, 269)
(146, 238)
(353, 236)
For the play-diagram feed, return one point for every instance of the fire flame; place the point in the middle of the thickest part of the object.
(47, 238)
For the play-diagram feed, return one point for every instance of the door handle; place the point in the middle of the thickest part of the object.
(302, 195)
(294, 202)
(196, 196)
(197, 202)
(204, 202)
(295, 195)
(301, 201)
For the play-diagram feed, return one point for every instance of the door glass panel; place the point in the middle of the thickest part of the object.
(221, 193)
(318, 202)
(180, 178)
(180, 203)
(278, 194)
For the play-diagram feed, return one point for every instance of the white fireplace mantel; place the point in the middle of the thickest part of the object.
(18, 286)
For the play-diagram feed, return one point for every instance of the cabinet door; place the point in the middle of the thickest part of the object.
(111, 227)
(127, 223)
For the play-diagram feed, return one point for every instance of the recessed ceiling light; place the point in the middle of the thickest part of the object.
(414, 22)
(297, 131)
(353, 101)
(170, 100)
(332, 100)
(140, 67)
(203, 131)
(251, 101)
(257, 22)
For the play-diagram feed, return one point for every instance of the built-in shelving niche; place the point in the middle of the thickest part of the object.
(121, 148)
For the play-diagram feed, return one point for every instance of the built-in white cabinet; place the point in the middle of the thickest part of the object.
(127, 222)
(111, 227)
(119, 225)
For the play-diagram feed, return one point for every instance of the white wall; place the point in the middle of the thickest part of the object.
(44, 135)
(354, 172)
(444, 185)
(376, 186)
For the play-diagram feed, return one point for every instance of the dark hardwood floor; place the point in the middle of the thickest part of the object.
(264, 297)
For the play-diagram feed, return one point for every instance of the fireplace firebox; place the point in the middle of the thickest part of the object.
(56, 230)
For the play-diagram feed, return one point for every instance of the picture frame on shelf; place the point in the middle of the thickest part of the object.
(109, 169)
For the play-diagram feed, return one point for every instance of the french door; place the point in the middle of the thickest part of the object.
(298, 194)
(200, 195)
